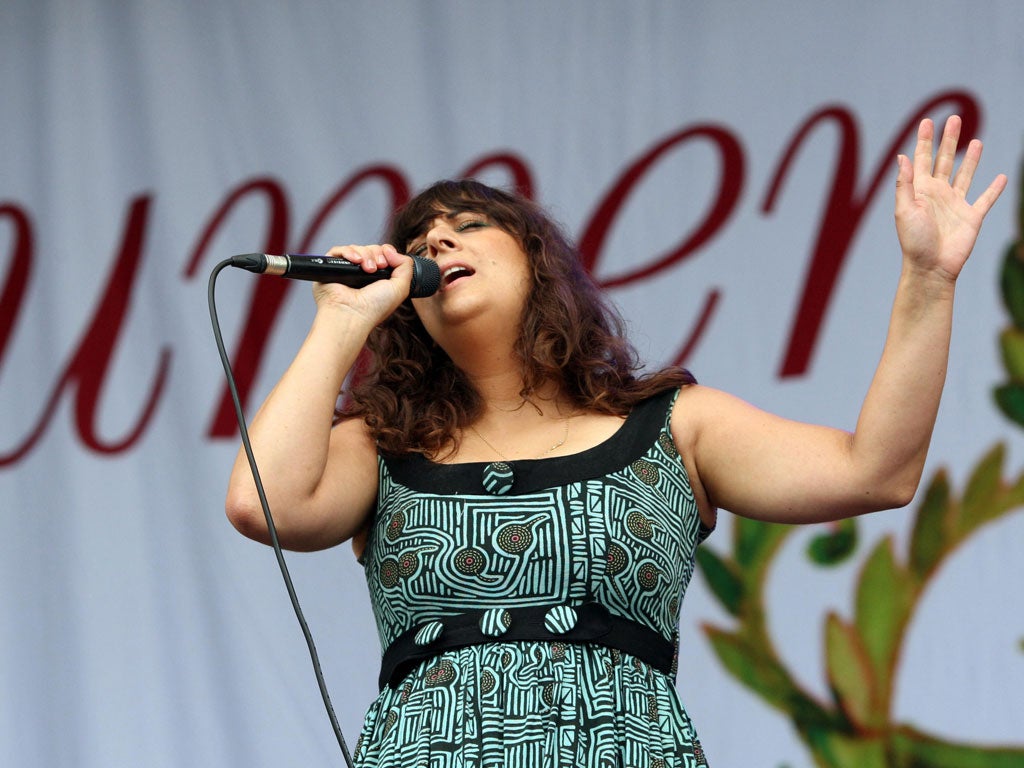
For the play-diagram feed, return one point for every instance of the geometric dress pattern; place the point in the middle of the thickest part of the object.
(616, 524)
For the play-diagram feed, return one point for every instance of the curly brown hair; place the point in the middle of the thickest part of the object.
(415, 400)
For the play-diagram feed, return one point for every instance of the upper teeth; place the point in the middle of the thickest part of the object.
(452, 270)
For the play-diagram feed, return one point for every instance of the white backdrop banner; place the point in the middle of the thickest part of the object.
(728, 171)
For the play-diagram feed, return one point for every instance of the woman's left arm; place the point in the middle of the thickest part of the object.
(761, 466)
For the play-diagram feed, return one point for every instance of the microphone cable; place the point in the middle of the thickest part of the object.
(247, 445)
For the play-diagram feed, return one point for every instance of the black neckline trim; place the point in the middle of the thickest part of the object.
(631, 440)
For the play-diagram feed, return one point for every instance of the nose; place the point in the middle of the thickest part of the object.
(441, 238)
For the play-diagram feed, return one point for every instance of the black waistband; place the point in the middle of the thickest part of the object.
(587, 623)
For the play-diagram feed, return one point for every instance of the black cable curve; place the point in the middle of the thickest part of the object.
(247, 445)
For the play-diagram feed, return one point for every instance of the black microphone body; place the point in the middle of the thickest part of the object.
(426, 277)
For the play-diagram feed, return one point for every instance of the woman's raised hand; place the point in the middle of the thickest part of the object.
(935, 224)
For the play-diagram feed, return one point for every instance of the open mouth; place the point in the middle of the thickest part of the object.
(454, 273)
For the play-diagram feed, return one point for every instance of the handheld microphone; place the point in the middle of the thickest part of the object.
(426, 277)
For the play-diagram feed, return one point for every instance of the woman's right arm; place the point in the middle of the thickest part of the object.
(320, 482)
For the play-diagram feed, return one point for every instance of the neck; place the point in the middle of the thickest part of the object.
(513, 427)
(492, 366)
(501, 393)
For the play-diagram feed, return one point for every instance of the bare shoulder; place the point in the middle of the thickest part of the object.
(697, 406)
(713, 425)
(693, 407)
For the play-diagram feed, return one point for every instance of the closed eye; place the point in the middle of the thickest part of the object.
(462, 226)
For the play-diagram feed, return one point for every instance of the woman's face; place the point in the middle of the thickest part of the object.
(485, 274)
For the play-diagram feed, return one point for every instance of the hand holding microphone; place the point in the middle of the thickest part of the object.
(426, 277)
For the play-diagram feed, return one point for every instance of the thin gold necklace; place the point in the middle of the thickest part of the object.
(556, 446)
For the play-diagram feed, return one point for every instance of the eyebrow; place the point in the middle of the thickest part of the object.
(449, 215)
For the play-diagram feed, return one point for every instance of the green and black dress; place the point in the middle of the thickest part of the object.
(529, 609)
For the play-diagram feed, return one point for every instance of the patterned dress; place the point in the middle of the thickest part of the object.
(615, 525)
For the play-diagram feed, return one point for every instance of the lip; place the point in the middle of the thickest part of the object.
(446, 269)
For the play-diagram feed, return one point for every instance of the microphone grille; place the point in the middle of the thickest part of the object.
(426, 277)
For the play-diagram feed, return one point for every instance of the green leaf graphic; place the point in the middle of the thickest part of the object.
(725, 582)
(850, 675)
(835, 547)
(885, 597)
(913, 749)
(929, 536)
(1010, 399)
(755, 542)
(1011, 345)
(985, 485)
(1012, 284)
